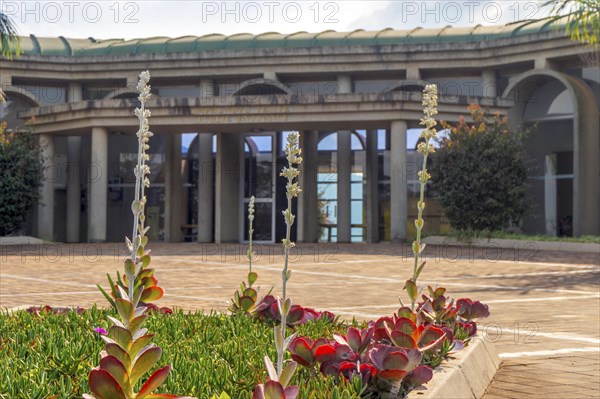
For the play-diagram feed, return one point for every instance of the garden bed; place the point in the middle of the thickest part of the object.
(521, 243)
(466, 375)
(50, 355)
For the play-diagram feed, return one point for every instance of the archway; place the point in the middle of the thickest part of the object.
(549, 96)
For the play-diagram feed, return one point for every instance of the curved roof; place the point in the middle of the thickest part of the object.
(61, 46)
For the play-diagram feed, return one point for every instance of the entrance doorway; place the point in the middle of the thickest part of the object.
(259, 174)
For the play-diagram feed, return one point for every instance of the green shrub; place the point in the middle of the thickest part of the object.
(480, 173)
(49, 356)
(21, 168)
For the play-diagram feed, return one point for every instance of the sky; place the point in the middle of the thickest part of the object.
(103, 19)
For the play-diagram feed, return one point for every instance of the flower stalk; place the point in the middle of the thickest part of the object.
(425, 147)
(250, 233)
(291, 173)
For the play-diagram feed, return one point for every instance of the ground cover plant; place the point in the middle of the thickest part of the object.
(49, 355)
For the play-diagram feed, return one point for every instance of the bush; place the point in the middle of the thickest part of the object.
(50, 355)
(21, 168)
(480, 173)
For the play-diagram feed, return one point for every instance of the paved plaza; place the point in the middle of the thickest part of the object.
(545, 306)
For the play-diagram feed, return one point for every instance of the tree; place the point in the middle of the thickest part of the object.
(480, 173)
(9, 39)
(21, 168)
(582, 19)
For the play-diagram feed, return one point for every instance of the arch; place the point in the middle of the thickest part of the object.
(407, 85)
(586, 141)
(276, 87)
(17, 100)
(27, 96)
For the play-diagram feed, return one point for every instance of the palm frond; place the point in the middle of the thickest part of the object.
(9, 37)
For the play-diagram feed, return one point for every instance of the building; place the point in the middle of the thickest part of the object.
(353, 96)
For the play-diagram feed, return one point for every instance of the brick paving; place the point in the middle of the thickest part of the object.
(545, 306)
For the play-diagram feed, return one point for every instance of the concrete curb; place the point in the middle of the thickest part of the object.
(527, 245)
(21, 240)
(466, 375)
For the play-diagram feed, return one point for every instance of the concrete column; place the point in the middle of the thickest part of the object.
(413, 73)
(550, 195)
(399, 191)
(206, 177)
(207, 88)
(98, 185)
(372, 187)
(344, 170)
(227, 184)
(490, 87)
(46, 204)
(173, 187)
(308, 203)
(73, 187)
(270, 75)
(542, 62)
(344, 83)
(75, 92)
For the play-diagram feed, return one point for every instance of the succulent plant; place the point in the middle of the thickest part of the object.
(128, 352)
(280, 377)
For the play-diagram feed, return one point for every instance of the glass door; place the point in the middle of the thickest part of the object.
(259, 173)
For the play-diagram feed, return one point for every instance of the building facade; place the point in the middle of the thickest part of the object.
(222, 106)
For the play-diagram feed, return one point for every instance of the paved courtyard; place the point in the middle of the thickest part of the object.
(545, 305)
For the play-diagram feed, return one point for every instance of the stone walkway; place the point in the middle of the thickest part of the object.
(545, 306)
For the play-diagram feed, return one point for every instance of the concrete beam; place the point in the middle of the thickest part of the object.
(399, 190)
(46, 204)
(98, 185)
(73, 188)
(234, 114)
(206, 180)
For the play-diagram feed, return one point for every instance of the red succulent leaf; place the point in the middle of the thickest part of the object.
(104, 386)
(325, 353)
(292, 392)
(274, 390)
(395, 360)
(419, 376)
(326, 315)
(152, 294)
(392, 374)
(296, 314)
(470, 310)
(301, 350)
(154, 381)
(403, 340)
(259, 392)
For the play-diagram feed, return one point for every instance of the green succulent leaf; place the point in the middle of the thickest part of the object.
(287, 373)
(145, 361)
(411, 289)
(125, 309)
(252, 277)
(117, 370)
